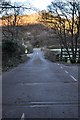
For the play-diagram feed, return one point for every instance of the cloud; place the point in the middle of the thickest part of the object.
(41, 4)
(17, 1)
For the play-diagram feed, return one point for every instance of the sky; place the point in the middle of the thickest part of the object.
(40, 4)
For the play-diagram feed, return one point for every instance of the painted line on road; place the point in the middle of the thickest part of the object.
(47, 104)
(61, 67)
(66, 71)
(73, 78)
(23, 116)
(33, 84)
(69, 74)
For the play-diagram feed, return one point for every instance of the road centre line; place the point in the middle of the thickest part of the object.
(22, 117)
(66, 71)
(61, 67)
(73, 78)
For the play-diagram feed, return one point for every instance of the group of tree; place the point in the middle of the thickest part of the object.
(11, 17)
(12, 36)
(11, 32)
(64, 17)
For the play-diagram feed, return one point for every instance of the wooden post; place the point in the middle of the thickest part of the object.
(61, 54)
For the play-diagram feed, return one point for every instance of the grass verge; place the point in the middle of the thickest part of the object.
(12, 62)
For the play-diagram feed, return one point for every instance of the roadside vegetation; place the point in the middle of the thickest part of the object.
(64, 18)
(13, 47)
(12, 54)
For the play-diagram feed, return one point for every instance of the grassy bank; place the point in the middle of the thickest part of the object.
(12, 62)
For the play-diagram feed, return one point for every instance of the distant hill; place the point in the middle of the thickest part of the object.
(21, 20)
(33, 30)
(39, 34)
(36, 31)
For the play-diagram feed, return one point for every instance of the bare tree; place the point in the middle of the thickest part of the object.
(67, 25)
(11, 19)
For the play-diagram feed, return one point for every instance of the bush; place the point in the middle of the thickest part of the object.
(78, 60)
(73, 61)
(11, 54)
(9, 48)
(29, 49)
(12, 48)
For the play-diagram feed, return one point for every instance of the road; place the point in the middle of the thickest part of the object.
(40, 89)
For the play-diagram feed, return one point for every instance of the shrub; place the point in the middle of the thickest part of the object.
(73, 61)
(78, 60)
(11, 48)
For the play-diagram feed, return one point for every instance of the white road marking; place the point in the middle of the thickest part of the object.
(37, 53)
(32, 106)
(42, 103)
(33, 84)
(70, 75)
(73, 78)
(22, 117)
(66, 71)
(58, 64)
(61, 67)
(45, 104)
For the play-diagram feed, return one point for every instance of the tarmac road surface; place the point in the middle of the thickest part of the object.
(40, 89)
